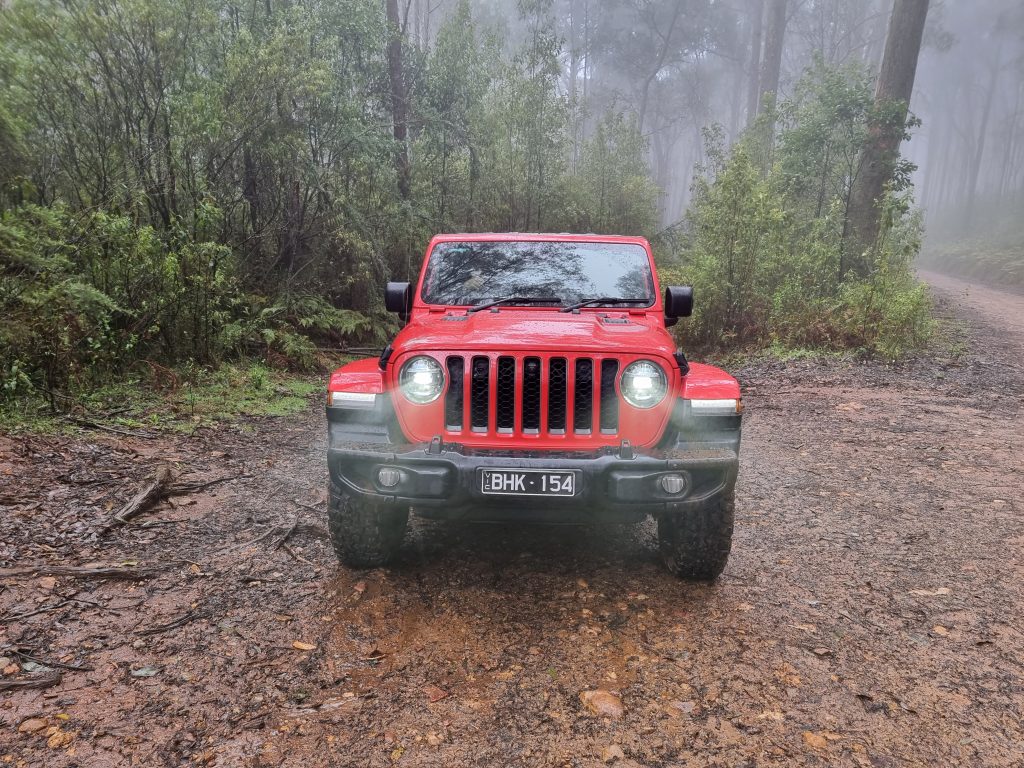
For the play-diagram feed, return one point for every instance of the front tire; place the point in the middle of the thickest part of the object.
(695, 545)
(365, 534)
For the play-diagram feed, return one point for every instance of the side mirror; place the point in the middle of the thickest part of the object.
(678, 302)
(398, 298)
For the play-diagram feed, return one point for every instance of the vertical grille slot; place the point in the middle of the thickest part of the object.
(453, 399)
(479, 394)
(558, 388)
(609, 401)
(506, 394)
(583, 396)
(531, 395)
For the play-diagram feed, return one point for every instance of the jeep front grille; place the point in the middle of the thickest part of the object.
(505, 395)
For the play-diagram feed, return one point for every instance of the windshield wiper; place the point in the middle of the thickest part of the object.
(603, 300)
(516, 300)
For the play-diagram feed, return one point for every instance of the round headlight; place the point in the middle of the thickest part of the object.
(421, 380)
(643, 384)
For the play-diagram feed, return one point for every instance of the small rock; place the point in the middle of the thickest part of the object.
(822, 651)
(32, 725)
(612, 753)
(602, 703)
(682, 707)
(814, 740)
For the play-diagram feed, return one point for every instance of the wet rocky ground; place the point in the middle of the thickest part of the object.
(869, 615)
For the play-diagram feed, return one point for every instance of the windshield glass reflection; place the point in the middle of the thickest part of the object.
(470, 273)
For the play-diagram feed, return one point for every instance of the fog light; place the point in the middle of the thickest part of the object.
(388, 477)
(672, 484)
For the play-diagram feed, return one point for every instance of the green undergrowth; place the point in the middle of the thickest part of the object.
(179, 400)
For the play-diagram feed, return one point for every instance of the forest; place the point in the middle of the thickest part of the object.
(192, 182)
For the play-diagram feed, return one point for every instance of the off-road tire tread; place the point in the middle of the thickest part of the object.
(695, 545)
(364, 535)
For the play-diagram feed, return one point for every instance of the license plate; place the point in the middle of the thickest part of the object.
(527, 482)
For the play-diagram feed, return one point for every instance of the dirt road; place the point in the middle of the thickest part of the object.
(870, 614)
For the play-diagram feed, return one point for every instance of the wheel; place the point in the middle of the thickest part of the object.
(695, 545)
(364, 534)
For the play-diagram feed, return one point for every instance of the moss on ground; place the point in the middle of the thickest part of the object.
(181, 400)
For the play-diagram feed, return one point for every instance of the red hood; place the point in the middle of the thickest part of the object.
(517, 329)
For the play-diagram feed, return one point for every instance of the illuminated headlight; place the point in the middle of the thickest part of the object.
(421, 380)
(643, 384)
(353, 399)
(715, 407)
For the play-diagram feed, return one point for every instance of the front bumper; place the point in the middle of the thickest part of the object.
(443, 480)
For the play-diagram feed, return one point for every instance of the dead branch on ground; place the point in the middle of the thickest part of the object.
(42, 681)
(178, 622)
(76, 572)
(143, 500)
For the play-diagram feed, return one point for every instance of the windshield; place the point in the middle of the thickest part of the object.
(471, 273)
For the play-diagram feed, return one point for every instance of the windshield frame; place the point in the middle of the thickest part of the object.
(655, 304)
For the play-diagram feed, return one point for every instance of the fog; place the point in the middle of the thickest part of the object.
(682, 66)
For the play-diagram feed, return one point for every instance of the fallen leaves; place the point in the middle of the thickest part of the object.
(434, 693)
(56, 738)
(298, 645)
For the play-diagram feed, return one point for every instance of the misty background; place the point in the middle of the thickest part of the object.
(190, 182)
(683, 65)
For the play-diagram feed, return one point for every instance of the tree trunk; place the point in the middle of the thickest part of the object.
(771, 66)
(756, 30)
(979, 146)
(399, 102)
(645, 89)
(892, 99)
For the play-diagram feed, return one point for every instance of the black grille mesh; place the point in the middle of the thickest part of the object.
(609, 402)
(583, 396)
(558, 387)
(506, 393)
(479, 404)
(502, 378)
(531, 394)
(453, 399)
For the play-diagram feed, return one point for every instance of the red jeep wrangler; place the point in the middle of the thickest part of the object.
(534, 380)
